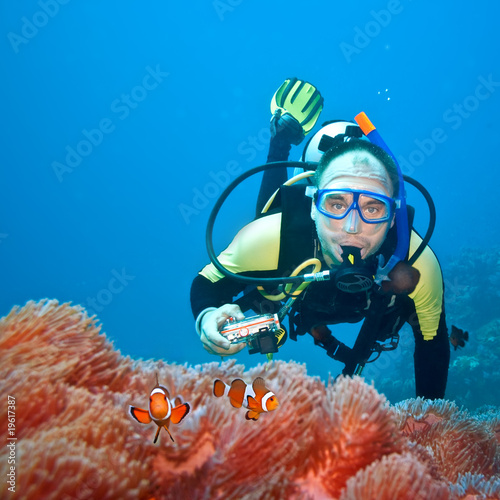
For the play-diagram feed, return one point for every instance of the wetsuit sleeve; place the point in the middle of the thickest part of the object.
(279, 149)
(432, 349)
(428, 295)
(254, 249)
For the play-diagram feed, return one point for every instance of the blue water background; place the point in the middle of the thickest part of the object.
(124, 227)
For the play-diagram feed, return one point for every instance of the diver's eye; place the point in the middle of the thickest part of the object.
(373, 208)
(370, 213)
(335, 206)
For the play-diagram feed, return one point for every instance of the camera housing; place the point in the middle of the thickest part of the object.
(262, 333)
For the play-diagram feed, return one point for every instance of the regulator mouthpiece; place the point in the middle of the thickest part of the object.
(355, 274)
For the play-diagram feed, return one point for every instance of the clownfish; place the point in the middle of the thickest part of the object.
(256, 397)
(161, 410)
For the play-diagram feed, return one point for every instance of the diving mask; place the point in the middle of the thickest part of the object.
(373, 208)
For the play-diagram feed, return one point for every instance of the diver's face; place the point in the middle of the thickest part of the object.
(353, 170)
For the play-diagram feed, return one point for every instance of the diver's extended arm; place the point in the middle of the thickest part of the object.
(254, 249)
(279, 149)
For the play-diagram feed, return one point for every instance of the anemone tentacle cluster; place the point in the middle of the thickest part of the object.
(340, 440)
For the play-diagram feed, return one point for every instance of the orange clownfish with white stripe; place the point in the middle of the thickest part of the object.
(256, 397)
(161, 410)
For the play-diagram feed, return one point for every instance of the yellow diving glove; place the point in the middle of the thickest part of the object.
(296, 107)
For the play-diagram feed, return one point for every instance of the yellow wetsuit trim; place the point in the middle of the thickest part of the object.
(255, 248)
(428, 295)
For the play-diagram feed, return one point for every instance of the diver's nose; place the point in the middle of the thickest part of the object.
(352, 222)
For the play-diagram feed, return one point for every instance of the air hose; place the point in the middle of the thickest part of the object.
(315, 276)
(215, 211)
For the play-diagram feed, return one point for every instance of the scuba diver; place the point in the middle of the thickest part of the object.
(346, 216)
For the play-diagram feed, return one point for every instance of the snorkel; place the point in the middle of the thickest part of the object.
(403, 233)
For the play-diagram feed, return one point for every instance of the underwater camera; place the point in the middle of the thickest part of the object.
(262, 333)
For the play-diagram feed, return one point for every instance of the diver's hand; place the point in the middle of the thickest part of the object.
(210, 325)
(286, 129)
(296, 107)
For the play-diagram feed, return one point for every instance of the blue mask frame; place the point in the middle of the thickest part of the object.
(386, 200)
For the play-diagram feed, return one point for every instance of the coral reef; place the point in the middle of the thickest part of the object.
(71, 390)
(472, 284)
(475, 371)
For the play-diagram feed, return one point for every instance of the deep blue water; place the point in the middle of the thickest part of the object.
(116, 115)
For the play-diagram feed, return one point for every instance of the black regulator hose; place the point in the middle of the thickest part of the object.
(296, 279)
(215, 211)
(432, 218)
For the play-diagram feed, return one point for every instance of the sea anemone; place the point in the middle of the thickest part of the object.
(73, 437)
(400, 476)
